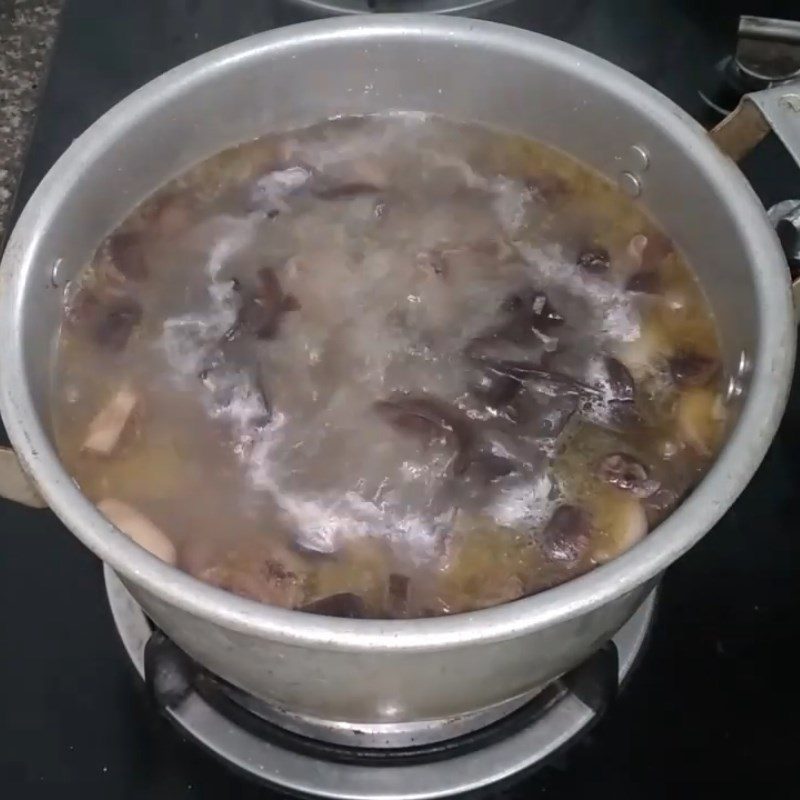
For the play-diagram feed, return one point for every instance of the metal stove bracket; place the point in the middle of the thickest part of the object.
(777, 110)
(595, 682)
(169, 674)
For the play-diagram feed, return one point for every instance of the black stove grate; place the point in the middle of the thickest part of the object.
(171, 676)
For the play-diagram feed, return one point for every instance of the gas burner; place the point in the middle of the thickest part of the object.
(327, 8)
(767, 54)
(311, 757)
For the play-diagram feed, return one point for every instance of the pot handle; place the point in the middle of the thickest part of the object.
(777, 110)
(14, 482)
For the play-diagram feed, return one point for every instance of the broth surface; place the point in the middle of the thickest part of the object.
(389, 366)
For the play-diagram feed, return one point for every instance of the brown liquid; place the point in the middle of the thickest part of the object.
(417, 366)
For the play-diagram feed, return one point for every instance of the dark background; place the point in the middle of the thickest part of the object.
(713, 703)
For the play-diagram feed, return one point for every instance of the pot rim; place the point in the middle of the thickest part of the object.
(744, 450)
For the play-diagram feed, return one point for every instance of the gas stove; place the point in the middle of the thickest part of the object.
(694, 693)
(437, 758)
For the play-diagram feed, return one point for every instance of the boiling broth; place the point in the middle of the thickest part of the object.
(389, 366)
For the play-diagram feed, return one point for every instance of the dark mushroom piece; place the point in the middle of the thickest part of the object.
(567, 536)
(430, 418)
(128, 256)
(524, 336)
(485, 467)
(495, 388)
(544, 417)
(343, 604)
(693, 369)
(547, 382)
(529, 311)
(262, 311)
(622, 386)
(627, 473)
(618, 410)
(534, 306)
(594, 260)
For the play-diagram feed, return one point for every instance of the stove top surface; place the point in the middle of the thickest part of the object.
(711, 705)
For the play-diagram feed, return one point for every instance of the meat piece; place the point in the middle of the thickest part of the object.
(106, 429)
(262, 311)
(644, 355)
(693, 369)
(114, 323)
(344, 604)
(268, 572)
(567, 535)
(622, 519)
(635, 249)
(657, 249)
(594, 260)
(128, 255)
(627, 473)
(700, 414)
(139, 528)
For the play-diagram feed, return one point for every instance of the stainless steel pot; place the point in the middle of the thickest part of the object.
(403, 673)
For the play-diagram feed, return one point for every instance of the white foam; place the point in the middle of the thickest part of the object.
(526, 504)
(610, 303)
